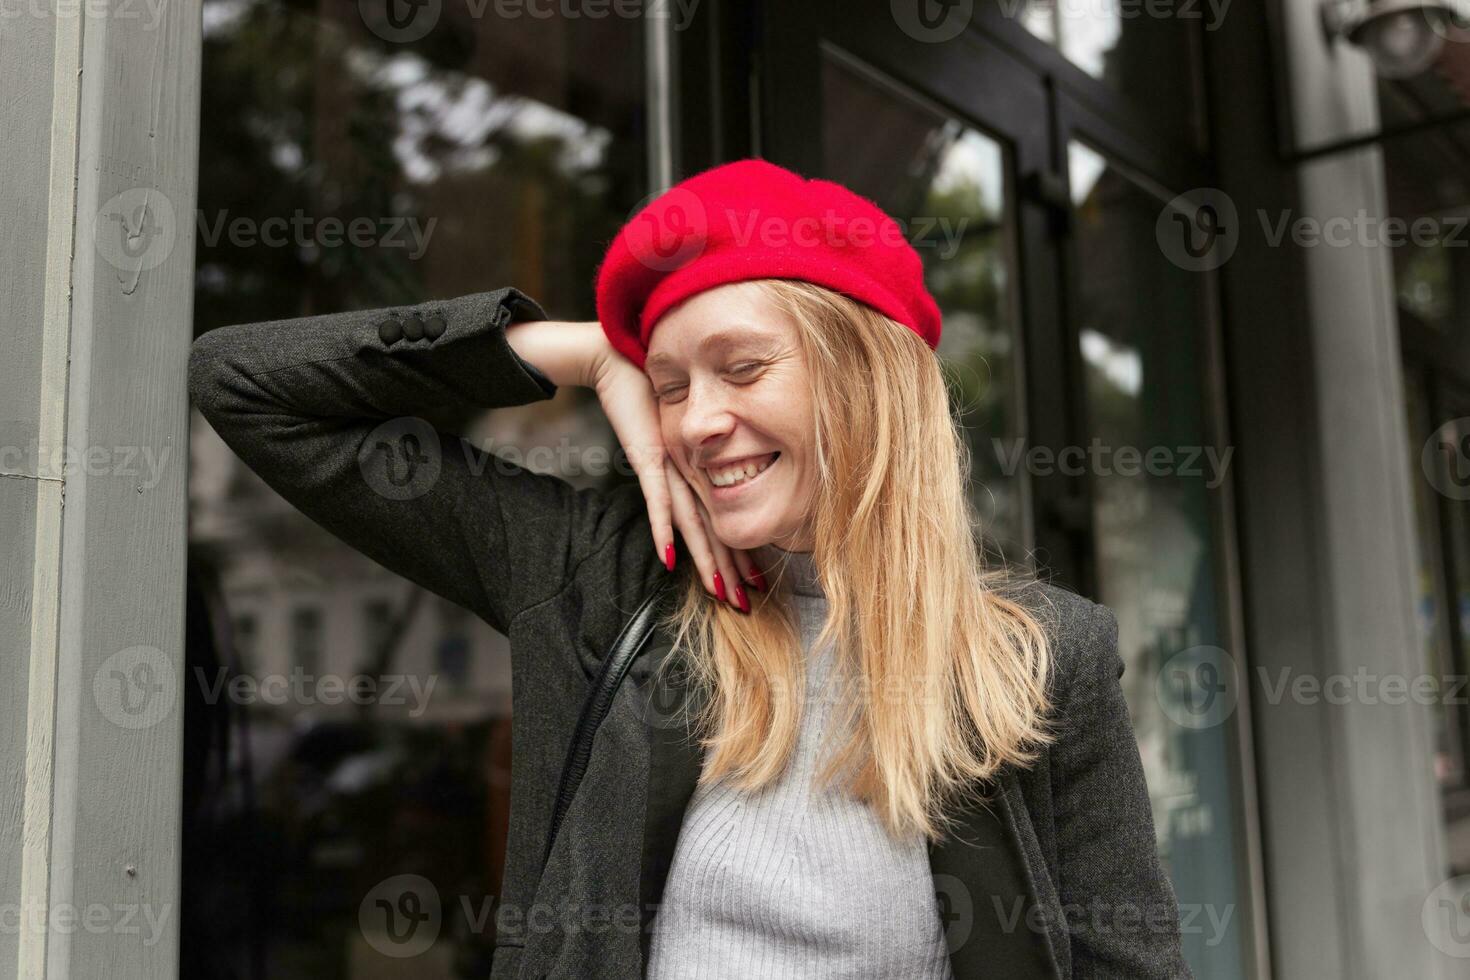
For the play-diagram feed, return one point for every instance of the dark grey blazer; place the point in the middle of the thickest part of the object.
(1058, 877)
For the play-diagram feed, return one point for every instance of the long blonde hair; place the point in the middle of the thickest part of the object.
(947, 667)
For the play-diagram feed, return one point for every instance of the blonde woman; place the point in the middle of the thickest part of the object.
(772, 716)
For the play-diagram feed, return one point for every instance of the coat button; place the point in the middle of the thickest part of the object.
(390, 331)
(413, 327)
(434, 327)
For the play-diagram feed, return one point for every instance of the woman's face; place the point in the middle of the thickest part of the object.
(732, 388)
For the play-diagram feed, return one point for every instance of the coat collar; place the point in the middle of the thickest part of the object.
(987, 895)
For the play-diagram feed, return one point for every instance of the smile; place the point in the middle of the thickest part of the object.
(741, 471)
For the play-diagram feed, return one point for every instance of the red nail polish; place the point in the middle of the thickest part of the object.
(757, 579)
(669, 556)
(740, 598)
(719, 587)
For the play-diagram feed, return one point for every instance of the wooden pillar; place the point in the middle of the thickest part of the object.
(101, 131)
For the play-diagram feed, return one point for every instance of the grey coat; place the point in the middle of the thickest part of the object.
(1058, 877)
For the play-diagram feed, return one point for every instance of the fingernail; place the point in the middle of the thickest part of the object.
(740, 598)
(669, 556)
(719, 587)
(757, 579)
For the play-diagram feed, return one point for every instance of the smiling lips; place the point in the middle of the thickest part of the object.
(740, 471)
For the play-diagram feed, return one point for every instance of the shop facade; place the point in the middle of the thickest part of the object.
(1216, 432)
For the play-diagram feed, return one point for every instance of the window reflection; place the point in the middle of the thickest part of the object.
(363, 724)
(1144, 373)
(1148, 54)
(948, 185)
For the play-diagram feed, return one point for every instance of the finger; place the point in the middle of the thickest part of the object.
(730, 579)
(745, 565)
(696, 537)
(653, 468)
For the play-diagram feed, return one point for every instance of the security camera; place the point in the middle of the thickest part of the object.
(1403, 37)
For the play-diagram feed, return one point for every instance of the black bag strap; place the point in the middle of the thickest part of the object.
(625, 649)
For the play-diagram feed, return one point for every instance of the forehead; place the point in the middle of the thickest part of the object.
(717, 321)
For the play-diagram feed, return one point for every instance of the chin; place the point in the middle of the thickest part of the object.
(743, 538)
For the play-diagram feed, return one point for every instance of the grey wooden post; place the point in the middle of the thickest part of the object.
(101, 130)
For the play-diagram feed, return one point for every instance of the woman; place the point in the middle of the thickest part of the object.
(853, 751)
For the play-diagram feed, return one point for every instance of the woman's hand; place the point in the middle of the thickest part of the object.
(628, 401)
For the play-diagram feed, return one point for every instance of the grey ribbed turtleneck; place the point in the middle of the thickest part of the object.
(796, 881)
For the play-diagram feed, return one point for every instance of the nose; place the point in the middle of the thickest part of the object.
(707, 419)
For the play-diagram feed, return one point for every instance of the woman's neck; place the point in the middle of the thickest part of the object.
(798, 569)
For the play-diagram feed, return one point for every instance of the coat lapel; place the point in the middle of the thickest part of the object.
(987, 895)
(675, 761)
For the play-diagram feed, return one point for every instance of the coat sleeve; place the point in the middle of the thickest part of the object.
(1120, 906)
(326, 410)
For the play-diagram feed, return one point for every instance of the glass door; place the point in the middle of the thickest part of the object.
(1081, 355)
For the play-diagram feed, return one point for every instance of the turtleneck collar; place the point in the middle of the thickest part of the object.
(798, 569)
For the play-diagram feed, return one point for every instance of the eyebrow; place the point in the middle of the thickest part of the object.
(753, 337)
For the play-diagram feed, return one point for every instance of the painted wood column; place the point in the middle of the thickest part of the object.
(101, 121)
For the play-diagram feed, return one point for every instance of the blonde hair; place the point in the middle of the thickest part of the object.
(948, 667)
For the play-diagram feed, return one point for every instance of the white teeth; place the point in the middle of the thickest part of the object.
(728, 476)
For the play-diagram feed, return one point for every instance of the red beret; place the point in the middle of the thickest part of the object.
(750, 219)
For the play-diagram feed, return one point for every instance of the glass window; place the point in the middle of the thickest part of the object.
(306, 640)
(355, 156)
(1154, 471)
(1151, 59)
(949, 186)
(1438, 474)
